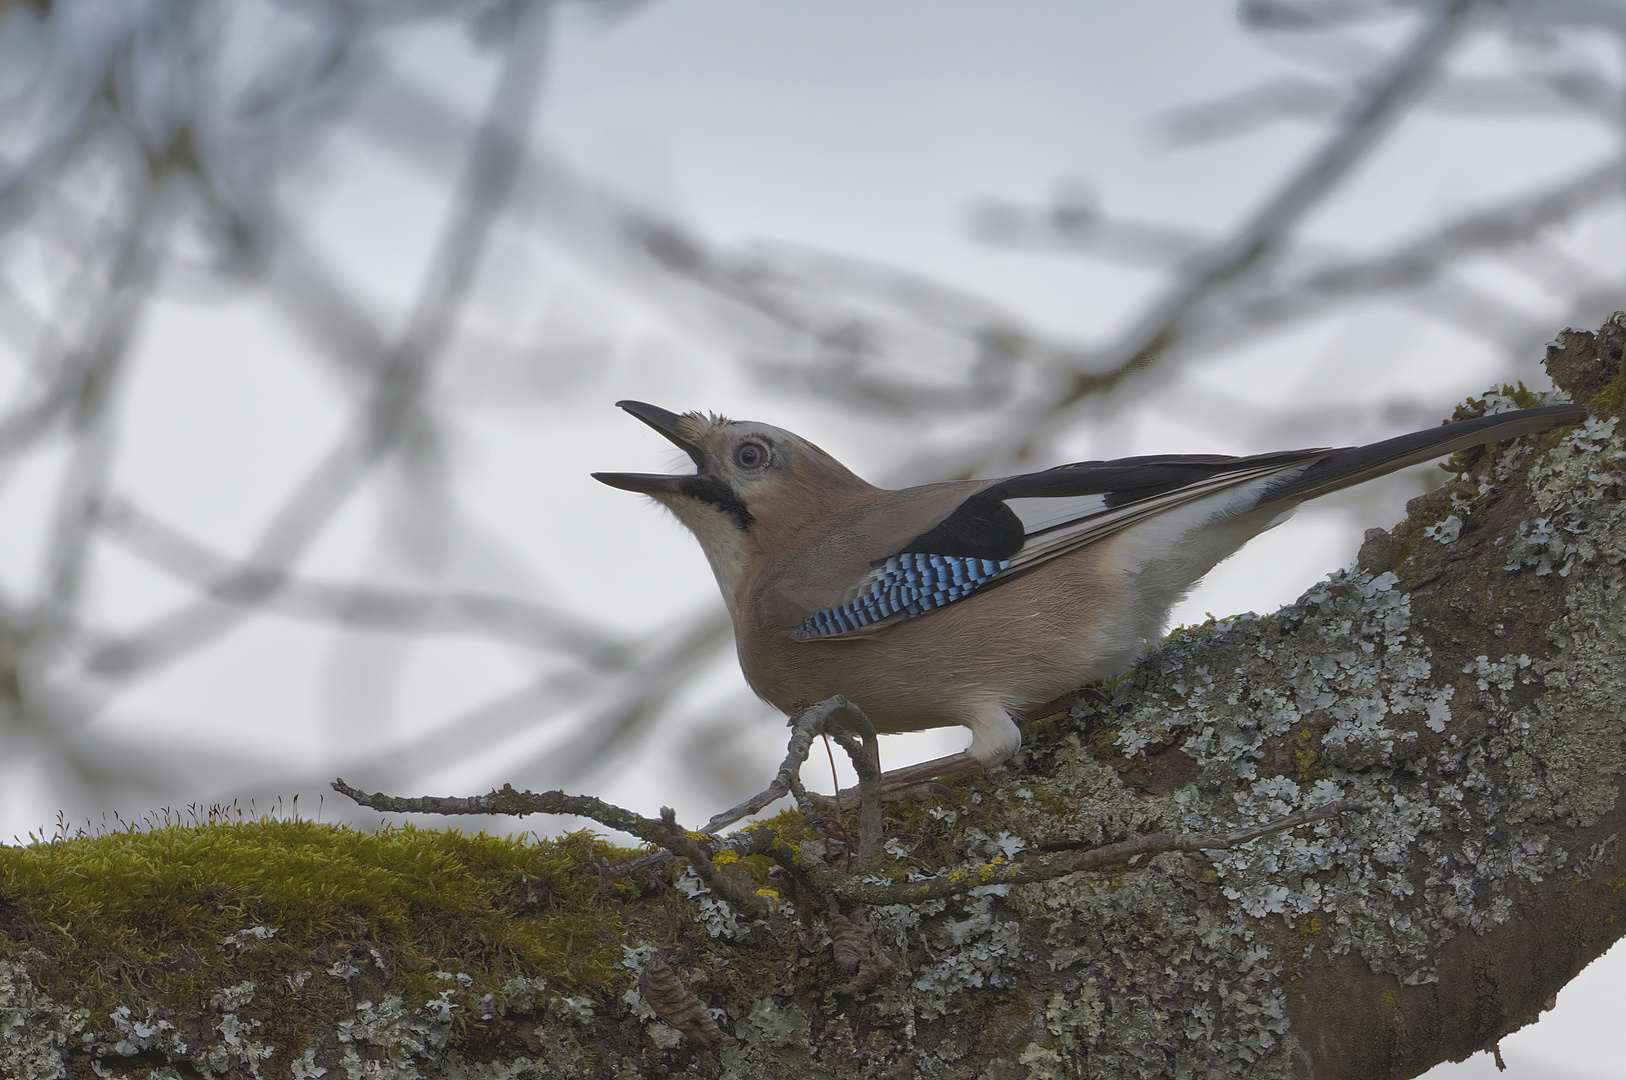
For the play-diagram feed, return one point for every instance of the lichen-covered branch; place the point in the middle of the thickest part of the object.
(1051, 865)
(1430, 743)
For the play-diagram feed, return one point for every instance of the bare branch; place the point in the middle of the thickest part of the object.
(90, 418)
(1364, 121)
(363, 606)
(817, 720)
(391, 411)
(517, 803)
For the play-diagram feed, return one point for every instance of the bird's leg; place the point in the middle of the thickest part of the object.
(848, 720)
(917, 780)
(899, 781)
(905, 783)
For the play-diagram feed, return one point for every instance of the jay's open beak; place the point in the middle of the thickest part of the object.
(654, 483)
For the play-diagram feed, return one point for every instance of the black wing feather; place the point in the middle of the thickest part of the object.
(1131, 479)
(983, 527)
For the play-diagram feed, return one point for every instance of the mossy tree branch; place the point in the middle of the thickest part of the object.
(1464, 686)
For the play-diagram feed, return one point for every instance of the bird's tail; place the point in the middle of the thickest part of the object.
(1355, 464)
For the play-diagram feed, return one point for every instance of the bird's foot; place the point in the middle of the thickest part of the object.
(909, 782)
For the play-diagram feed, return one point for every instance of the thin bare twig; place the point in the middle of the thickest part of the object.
(1313, 279)
(506, 800)
(856, 735)
(814, 721)
(1515, 221)
(698, 849)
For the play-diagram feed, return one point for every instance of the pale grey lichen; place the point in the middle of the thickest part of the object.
(247, 939)
(1446, 530)
(132, 1035)
(968, 952)
(718, 917)
(34, 1030)
(233, 997)
(38, 1036)
(404, 1034)
(304, 1067)
(775, 1040)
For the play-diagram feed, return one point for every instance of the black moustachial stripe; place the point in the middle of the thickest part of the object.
(720, 495)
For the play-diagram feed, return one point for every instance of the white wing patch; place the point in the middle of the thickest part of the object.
(1041, 513)
(1057, 525)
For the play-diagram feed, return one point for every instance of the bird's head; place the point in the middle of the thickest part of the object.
(753, 483)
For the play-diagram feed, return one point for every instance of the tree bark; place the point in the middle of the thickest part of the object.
(1463, 683)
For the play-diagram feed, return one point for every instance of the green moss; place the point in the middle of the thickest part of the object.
(1520, 395)
(1189, 633)
(1609, 400)
(309, 918)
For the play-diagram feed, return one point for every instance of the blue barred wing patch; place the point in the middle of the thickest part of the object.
(907, 585)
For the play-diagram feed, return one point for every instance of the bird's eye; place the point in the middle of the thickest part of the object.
(750, 455)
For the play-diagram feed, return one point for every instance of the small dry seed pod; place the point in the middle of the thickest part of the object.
(677, 1005)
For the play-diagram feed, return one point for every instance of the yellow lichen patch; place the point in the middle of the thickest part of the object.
(1307, 757)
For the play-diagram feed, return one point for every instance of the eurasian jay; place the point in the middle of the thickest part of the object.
(970, 602)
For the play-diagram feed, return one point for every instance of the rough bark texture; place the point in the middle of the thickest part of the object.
(1465, 679)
